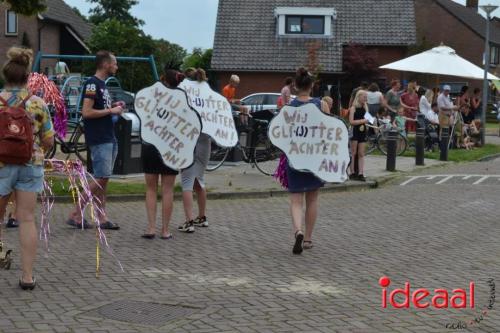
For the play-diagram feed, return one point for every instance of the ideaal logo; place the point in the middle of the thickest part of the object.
(439, 299)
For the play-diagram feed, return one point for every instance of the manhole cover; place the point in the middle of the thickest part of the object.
(143, 313)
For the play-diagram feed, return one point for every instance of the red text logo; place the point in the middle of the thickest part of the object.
(422, 298)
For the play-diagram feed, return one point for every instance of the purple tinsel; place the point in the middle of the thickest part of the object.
(280, 173)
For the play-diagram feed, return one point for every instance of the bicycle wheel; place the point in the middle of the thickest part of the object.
(401, 144)
(79, 145)
(371, 144)
(266, 157)
(217, 156)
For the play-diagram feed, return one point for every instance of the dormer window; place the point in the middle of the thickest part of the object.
(308, 25)
(304, 21)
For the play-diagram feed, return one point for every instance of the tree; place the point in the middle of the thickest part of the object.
(125, 40)
(168, 54)
(199, 59)
(360, 63)
(116, 9)
(79, 13)
(27, 7)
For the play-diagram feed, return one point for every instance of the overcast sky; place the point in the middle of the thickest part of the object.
(189, 23)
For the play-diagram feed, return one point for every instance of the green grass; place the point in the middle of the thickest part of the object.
(60, 187)
(461, 155)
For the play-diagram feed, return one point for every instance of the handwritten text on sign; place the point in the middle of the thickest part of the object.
(215, 112)
(312, 141)
(168, 123)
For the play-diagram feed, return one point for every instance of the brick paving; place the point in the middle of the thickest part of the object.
(239, 275)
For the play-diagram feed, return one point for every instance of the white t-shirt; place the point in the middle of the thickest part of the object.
(432, 117)
(424, 106)
(374, 97)
(444, 102)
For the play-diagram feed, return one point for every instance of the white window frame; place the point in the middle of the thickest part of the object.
(282, 12)
(7, 32)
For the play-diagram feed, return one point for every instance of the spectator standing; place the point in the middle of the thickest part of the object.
(25, 180)
(393, 96)
(358, 140)
(286, 93)
(410, 101)
(329, 102)
(97, 112)
(154, 170)
(304, 184)
(425, 104)
(193, 177)
(375, 99)
(446, 107)
(476, 103)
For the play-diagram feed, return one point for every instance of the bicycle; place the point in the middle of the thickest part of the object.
(378, 140)
(75, 143)
(255, 147)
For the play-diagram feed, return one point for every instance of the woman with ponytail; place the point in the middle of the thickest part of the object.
(154, 169)
(23, 179)
(193, 177)
(304, 184)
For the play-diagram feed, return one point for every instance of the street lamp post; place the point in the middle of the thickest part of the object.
(487, 9)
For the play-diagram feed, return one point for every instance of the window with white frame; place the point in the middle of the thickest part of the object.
(303, 21)
(494, 50)
(10, 23)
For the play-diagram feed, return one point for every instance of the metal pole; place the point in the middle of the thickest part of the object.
(419, 146)
(392, 138)
(485, 79)
(443, 143)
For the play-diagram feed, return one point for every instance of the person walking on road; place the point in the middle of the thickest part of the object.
(97, 112)
(154, 170)
(193, 177)
(23, 179)
(358, 141)
(304, 184)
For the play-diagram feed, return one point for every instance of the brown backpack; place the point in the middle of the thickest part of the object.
(16, 133)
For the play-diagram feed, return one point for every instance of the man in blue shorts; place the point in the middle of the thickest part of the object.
(97, 113)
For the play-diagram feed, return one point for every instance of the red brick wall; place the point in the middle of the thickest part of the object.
(50, 36)
(25, 24)
(253, 82)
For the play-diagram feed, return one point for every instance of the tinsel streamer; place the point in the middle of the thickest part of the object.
(47, 203)
(280, 173)
(41, 86)
(82, 196)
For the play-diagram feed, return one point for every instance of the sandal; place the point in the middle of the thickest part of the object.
(308, 245)
(109, 225)
(148, 236)
(73, 223)
(299, 238)
(27, 286)
(167, 237)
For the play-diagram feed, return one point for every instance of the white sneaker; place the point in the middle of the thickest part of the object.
(201, 221)
(187, 226)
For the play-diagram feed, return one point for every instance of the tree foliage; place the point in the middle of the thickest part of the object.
(116, 9)
(199, 58)
(27, 7)
(168, 54)
(360, 63)
(125, 40)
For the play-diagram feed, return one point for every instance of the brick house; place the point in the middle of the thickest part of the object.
(59, 30)
(264, 41)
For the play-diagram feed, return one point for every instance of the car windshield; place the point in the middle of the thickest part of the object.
(254, 100)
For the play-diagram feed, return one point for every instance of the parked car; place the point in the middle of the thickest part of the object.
(261, 101)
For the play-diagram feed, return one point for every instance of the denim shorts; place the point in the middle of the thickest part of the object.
(103, 159)
(26, 178)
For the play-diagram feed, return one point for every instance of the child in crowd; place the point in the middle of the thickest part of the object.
(400, 121)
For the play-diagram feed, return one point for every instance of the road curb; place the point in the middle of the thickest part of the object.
(349, 186)
(489, 158)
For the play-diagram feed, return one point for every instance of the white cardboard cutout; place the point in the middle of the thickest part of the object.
(312, 141)
(168, 123)
(214, 110)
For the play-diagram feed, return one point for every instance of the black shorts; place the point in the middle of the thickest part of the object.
(152, 162)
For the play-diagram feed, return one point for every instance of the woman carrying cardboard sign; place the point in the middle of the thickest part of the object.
(304, 184)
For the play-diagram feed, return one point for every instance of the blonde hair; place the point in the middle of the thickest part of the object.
(328, 100)
(411, 87)
(429, 94)
(356, 102)
(17, 67)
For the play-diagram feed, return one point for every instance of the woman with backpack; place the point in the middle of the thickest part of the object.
(25, 131)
